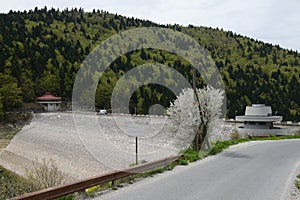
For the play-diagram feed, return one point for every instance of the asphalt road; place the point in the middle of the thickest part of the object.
(257, 171)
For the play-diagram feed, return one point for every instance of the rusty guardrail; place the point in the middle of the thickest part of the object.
(62, 190)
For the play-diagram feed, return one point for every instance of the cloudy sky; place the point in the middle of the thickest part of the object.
(273, 21)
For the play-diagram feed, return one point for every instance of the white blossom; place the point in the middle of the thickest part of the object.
(186, 117)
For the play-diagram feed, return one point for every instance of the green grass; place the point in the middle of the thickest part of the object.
(67, 197)
(297, 182)
(191, 155)
(221, 145)
(119, 183)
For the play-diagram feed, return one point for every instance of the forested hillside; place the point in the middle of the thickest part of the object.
(42, 49)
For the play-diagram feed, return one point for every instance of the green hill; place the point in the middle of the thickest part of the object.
(41, 50)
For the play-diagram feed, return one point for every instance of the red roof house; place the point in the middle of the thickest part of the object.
(49, 102)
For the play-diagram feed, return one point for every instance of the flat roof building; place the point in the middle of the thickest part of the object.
(258, 120)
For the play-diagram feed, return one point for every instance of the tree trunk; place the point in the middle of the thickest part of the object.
(205, 140)
(196, 140)
(200, 138)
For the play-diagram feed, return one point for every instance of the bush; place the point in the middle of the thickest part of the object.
(234, 135)
(11, 185)
(17, 117)
(44, 175)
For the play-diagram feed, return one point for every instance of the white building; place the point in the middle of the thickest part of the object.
(258, 121)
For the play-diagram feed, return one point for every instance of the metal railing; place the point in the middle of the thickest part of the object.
(81, 185)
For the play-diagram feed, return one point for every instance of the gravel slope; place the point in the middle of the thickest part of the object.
(80, 155)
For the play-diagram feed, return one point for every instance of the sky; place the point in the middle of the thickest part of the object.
(272, 21)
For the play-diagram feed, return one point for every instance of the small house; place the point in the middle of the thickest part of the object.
(49, 102)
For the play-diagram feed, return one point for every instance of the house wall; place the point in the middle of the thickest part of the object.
(52, 107)
(258, 125)
(265, 132)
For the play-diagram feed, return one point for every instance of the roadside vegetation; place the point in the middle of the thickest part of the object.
(11, 125)
(297, 182)
(10, 184)
(44, 174)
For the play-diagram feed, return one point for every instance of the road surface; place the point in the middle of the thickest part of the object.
(256, 170)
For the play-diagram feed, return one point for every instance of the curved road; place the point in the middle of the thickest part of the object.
(256, 170)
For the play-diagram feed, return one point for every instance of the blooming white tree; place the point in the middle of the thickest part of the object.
(192, 114)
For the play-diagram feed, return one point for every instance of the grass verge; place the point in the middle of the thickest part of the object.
(114, 185)
(297, 182)
(221, 145)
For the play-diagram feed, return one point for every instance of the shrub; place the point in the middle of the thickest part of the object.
(92, 191)
(44, 175)
(234, 135)
(11, 185)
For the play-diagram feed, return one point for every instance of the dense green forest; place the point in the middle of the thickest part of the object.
(42, 49)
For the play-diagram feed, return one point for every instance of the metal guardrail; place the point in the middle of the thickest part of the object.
(81, 185)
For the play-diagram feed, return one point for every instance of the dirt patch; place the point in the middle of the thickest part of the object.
(12, 124)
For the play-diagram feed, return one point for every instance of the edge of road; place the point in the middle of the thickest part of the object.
(290, 190)
(289, 186)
